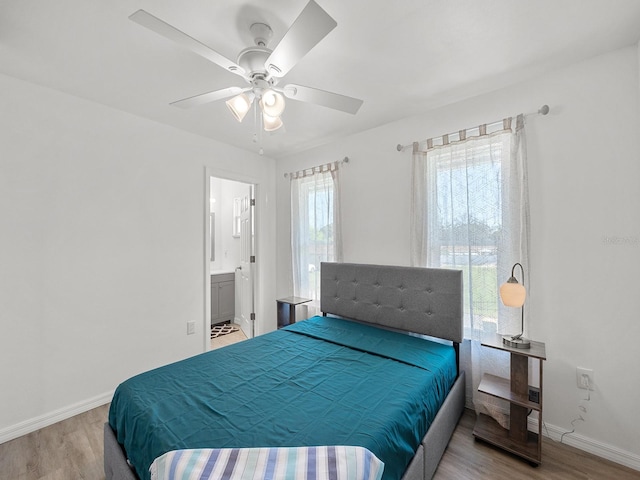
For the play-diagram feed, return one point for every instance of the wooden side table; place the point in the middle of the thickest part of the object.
(517, 439)
(287, 309)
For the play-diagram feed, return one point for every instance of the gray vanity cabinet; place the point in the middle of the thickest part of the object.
(223, 294)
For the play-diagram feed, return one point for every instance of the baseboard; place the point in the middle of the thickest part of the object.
(587, 444)
(33, 424)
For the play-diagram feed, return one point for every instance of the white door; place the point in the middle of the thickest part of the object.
(247, 263)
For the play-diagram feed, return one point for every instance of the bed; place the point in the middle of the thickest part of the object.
(347, 378)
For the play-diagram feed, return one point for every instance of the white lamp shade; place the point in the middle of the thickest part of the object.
(270, 123)
(239, 106)
(513, 294)
(272, 103)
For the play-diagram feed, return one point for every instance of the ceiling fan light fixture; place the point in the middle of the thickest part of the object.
(239, 105)
(271, 124)
(272, 103)
(261, 67)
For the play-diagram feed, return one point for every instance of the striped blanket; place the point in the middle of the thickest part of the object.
(295, 463)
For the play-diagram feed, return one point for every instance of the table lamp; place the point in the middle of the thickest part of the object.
(513, 294)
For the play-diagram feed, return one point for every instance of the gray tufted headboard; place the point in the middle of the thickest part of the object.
(421, 300)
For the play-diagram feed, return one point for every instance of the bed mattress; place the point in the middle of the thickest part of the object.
(323, 381)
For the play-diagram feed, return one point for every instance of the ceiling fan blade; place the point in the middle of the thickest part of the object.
(320, 97)
(311, 26)
(201, 99)
(161, 27)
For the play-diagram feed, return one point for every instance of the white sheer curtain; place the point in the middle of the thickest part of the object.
(316, 234)
(470, 212)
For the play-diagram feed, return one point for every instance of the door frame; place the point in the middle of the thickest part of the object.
(258, 325)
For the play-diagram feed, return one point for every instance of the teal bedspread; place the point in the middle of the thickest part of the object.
(323, 381)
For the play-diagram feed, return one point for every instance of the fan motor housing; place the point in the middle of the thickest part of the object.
(252, 60)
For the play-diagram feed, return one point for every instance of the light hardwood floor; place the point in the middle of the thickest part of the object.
(72, 450)
(466, 458)
(67, 450)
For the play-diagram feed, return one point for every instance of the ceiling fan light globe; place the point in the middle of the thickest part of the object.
(272, 103)
(271, 124)
(239, 106)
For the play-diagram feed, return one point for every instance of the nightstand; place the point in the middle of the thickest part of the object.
(522, 398)
(287, 309)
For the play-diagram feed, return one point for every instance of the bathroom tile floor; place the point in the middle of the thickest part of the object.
(228, 339)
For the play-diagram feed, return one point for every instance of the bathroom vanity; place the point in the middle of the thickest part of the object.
(223, 293)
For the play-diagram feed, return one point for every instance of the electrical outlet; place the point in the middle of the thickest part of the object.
(534, 394)
(584, 378)
(191, 328)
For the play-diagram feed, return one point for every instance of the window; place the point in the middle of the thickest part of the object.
(467, 224)
(469, 214)
(315, 228)
(237, 210)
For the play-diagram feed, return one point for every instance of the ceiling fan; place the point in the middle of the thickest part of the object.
(261, 67)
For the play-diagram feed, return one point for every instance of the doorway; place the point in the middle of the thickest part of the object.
(231, 257)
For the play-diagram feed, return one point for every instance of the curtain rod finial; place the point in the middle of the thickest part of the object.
(399, 147)
(544, 110)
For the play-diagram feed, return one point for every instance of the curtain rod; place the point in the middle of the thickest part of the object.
(541, 111)
(301, 172)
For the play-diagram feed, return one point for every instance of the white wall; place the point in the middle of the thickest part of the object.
(584, 166)
(102, 249)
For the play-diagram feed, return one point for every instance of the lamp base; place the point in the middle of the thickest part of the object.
(521, 342)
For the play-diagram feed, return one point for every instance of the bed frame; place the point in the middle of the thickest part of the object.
(419, 300)
(427, 301)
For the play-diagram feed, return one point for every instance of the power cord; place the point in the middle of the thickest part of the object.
(573, 424)
(581, 407)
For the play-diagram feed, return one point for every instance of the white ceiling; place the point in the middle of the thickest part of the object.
(401, 57)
